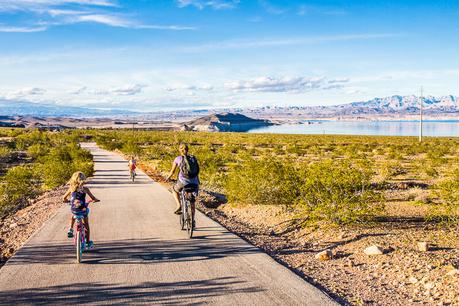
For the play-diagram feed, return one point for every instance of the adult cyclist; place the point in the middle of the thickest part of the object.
(188, 175)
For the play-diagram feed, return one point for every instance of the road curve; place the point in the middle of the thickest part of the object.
(141, 256)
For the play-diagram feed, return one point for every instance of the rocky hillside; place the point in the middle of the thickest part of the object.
(225, 122)
(409, 104)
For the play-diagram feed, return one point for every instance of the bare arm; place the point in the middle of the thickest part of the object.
(171, 173)
(89, 193)
(66, 195)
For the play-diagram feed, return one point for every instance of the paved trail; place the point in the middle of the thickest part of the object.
(141, 256)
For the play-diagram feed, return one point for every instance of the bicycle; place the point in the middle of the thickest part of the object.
(132, 175)
(79, 239)
(187, 198)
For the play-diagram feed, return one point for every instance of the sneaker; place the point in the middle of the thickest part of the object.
(70, 233)
(89, 245)
(178, 211)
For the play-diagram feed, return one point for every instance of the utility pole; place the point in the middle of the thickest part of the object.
(420, 114)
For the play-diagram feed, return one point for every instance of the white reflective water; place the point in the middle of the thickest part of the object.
(383, 128)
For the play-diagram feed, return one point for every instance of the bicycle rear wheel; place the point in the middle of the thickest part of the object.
(79, 247)
(182, 221)
(189, 221)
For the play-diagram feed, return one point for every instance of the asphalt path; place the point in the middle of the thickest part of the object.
(142, 257)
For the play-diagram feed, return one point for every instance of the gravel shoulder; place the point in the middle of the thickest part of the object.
(16, 229)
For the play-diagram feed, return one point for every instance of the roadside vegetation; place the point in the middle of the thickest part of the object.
(33, 161)
(324, 180)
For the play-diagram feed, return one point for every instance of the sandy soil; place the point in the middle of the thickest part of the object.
(403, 275)
(16, 229)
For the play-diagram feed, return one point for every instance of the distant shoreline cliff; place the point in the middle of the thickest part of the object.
(225, 122)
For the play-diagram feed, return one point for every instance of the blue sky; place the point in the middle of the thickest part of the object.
(159, 54)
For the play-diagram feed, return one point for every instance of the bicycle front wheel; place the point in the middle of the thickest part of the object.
(79, 247)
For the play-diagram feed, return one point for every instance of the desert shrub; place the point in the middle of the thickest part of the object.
(266, 181)
(5, 152)
(448, 208)
(55, 156)
(37, 150)
(327, 191)
(28, 138)
(17, 186)
(108, 142)
(131, 148)
(339, 192)
(430, 171)
(390, 169)
(57, 167)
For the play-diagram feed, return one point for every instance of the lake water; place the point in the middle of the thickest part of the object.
(383, 128)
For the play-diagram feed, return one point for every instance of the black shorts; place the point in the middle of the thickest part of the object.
(180, 185)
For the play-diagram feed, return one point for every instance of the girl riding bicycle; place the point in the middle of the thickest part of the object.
(79, 206)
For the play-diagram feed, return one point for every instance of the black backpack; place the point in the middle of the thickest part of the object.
(189, 166)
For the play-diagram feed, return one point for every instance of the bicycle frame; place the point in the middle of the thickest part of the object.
(186, 218)
(80, 237)
(132, 174)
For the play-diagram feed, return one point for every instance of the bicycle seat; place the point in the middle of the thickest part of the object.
(190, 188)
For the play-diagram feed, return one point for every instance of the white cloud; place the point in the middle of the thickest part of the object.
(129, 90)
(13, 29)
(260, 43)
(47, 13)
(111, 20)
(42, 5)
(272, 9)
(59, 12)
(205, 87)
(25, 92)
(285, 84)
(215, 4)
(103, 19)
(79, 91)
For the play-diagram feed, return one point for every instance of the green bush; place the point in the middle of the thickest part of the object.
(60, 163)
(131, 148)
(448, 208)
(37, 150)
(339, 192)
(327, 191)
(265, 181)
(17, 186)
(5, 152)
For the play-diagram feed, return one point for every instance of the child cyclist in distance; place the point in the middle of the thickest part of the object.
(132, 164)
(79, 206)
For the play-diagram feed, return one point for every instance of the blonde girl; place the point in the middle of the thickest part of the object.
(79, 206)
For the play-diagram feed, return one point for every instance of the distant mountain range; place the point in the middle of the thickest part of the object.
(25, 108)
(394, 106)
(405, 104)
